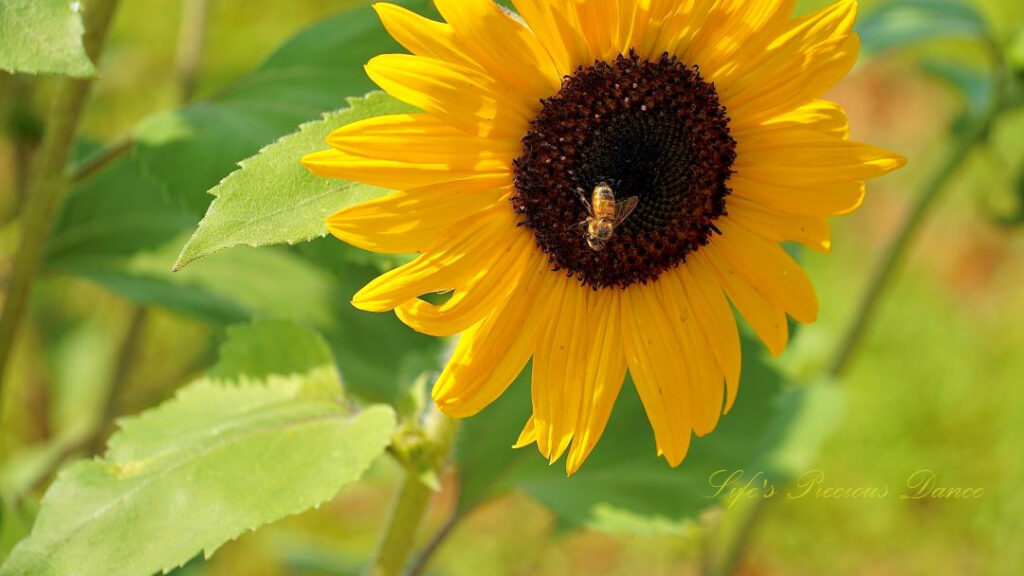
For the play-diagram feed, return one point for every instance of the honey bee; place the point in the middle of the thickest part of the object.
(606, 214)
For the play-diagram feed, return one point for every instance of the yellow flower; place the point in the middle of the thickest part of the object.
(704, 113)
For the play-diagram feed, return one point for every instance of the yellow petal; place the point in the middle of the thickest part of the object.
(540, 16)
(567, 21)
(811, 231)
(656, 375)
(396, 175)
(419, 139)
(820, 115)
(488, 287)
(680, 29)
(503, 46)
(409, 151)
(446, 265)
(768, 269)
(599, 26)
(796, 156)
(408, 222)
(776, 56)
(492, 353)
(798, 170)
(605, 371)
(559, 366)
(422, 36)
(827, 199)
(528, 435)
(767, 318)
(730, 26)
(643, 25)
(698, 372)
(458, 95)
(716, 320)
(823, 65)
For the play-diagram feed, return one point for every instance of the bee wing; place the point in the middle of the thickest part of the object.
(624, 208)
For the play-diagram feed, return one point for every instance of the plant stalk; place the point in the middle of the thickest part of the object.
(94, 441)
(894, 255)
(126, 355)
(419, 567)
(5, 83)
(101, 159)
(190, 46)
(24, 135)
(413, 500)
(410, 507)
(50, 179)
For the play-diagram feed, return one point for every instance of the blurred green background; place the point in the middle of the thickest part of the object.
(936, 384)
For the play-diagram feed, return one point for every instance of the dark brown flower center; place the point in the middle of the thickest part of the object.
(650, 129)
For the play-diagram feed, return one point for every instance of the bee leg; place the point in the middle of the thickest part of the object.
(583, 198)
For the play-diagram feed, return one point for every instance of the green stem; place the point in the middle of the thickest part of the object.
(5, 88)
(24, 134)
(101, 159)
(126, 355)
(413, 500)
(93, 442)
(425, 555)
(190, 46)
(730, 534)
(190, 51)
(411, 506)
(50, 179)
(976, 134)
(5, 82)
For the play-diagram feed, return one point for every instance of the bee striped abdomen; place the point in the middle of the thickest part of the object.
(603, 201)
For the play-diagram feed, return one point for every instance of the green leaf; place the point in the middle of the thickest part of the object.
(273, 199)
(623, 486)
(43, 37)
(119, 211)
(906, 22)
(120, 230)
(198, 471)
(276, 283)
(192, 149)
(272, 347)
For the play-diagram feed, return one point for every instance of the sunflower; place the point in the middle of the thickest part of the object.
(595, 181)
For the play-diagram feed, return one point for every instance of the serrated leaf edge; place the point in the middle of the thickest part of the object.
(185, 258)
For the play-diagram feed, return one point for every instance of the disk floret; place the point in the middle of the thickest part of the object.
(651, 129)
